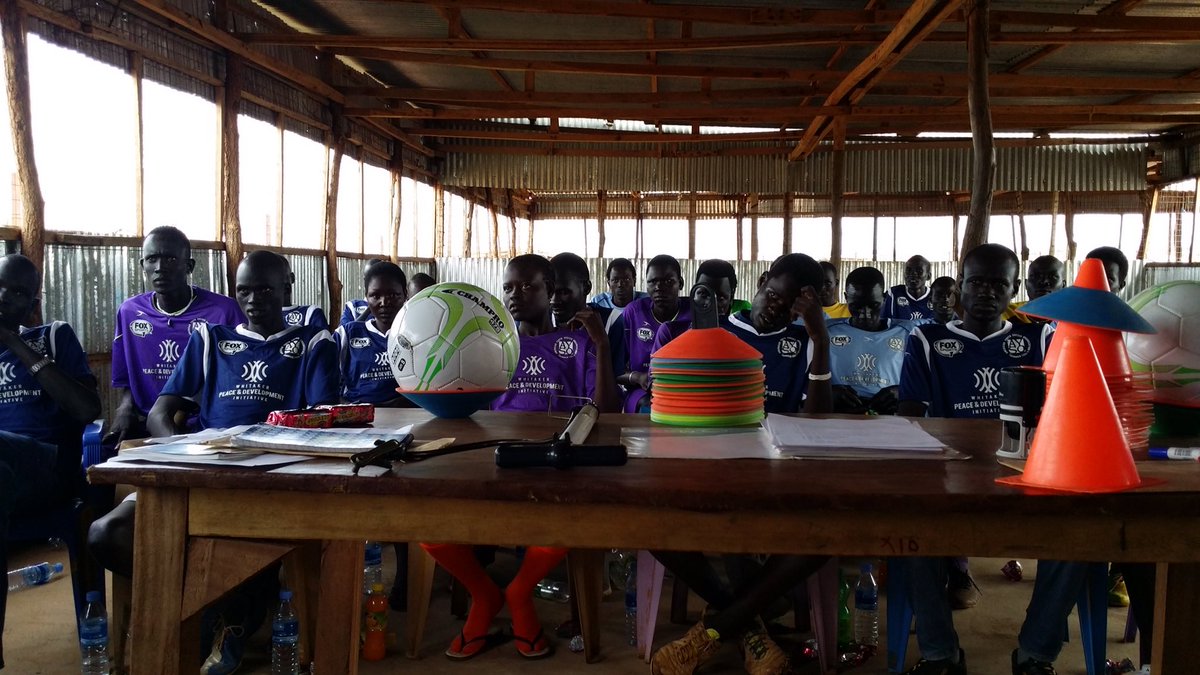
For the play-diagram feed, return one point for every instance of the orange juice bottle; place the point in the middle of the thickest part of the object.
(375, 646)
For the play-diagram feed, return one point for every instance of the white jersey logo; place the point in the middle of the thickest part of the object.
(38, 344)
(565, 347)
(292, 349)
(255, 371)
(360, 342)
(382, 360)
(902, 301)
(839, 340)
(896, 344)
(1016, 346)
(7, 373)
(948, 347)
(789, 347)
(987, 380)
(231, 347)
(168, 351)
(293, 318)
(645, 334)
(865, 362)
(916, 316)
(140, 327)
(533, 365)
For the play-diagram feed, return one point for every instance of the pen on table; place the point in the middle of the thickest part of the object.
(1175, 453)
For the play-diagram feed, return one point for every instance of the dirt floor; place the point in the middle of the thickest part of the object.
(40, 637)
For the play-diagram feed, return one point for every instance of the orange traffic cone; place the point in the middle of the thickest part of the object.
(1079, 445)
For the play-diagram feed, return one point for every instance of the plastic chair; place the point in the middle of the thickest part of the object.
(69, 521)
(1091, 607)
(822, 608)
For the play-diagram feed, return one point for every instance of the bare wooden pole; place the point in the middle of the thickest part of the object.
(983, 150)
(231, 221)
(470, 224)
(874, 230)
(512, 225)
(787, 223)
(741, 217)
(1150, 203)
(396, 169)
(491, 198)
(639, 247)
(16, 75)
(837, 188)
(752, 204)
(1069, 226)
(439, 219)
(337, 141)
(1053, 220)
(1021, 221)
(692, 226)
(601, 215)
(139, 182)
(278, 238)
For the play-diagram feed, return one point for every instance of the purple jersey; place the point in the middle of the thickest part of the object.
(362, 352)
(632, 341)
(26, 408)
(557, 371)
(148, 343)
(305, 315)
(673, 329)
(237, 376)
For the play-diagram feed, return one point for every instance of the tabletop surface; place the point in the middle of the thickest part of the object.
(925, 485)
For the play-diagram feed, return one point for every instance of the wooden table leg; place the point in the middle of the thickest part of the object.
(118, 622)
(420, 587)
(302, 573)
(160, 546)
(338, 609)
(1176, 648)
(587, 567)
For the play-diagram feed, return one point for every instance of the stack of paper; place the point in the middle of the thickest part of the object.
(873, 438)
(315, 442)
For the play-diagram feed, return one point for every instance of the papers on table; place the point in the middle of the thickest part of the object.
(315, 442)
(329, 467)
(196, 454)
(661, 442)
(873, 438)
(214, 436)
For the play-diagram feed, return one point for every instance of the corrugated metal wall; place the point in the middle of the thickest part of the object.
(878, 170)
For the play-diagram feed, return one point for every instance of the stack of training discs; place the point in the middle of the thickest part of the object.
(707, 378)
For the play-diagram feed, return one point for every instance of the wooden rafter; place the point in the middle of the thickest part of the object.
(1117, 8)
(921, 18)
(459, 33)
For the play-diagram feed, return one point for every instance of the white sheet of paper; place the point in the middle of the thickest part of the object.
(204, 436)
(165, 455)
(707, 443)
(316, 441)
(880, 433)
(330, 467)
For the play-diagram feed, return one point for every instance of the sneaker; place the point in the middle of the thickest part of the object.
(1031, 667)
(940, 667)
(227, 651)
(685, 655)
(760, 654)
(964, 592)
(1118, 595)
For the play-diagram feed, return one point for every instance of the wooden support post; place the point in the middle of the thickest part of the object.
(601, 215)
(160, 538)
(338, 143)
(340, 597)
(1176, 592)
(741, 217)
(469, 226)
(692, 226)
(1150, 205)
(983, 144)
(752, 205)
(1069, 226)
(837, 188)
(954, 229)
(512, 223)
(1053, 220)
(139, 155)
(529, 226)
(231, 219)
(439, 219)
(16, 75)
(787, 223)
(397, 203)
(278, 238)
(1021, 222)
(491, 197)
(639, 234)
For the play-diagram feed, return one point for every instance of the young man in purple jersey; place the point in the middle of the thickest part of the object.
(234, 376)
(632, 334)
(952, 370)
(47, 394)
(573, 283)
(153, 328)
(362, 345)
(558, 367)
(790, 285)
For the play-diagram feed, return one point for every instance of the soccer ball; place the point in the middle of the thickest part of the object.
(1171, 357)
(453, 337)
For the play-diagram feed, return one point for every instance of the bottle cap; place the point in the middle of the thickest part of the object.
(377, 588)
(58, 567)
(285, 594)
(95, 596)
(865, 568)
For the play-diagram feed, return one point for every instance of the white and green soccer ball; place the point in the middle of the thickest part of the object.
(453, 337)
(1170, 357)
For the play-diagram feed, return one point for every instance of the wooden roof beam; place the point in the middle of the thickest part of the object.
(1117, 8)
(921, 18)
(458, 32)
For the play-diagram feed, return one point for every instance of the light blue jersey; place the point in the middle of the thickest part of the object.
(867, 361)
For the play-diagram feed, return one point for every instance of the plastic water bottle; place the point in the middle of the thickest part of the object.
(866, 608)
(375, 645)
(631, 619)
(285, 638)
(93, 636)
(845, 627)
(372, 567)
(34, 575)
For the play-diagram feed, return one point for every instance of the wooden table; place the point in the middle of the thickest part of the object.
(192, 526)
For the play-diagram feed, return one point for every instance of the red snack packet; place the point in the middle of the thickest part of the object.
(351, 413)
(309, 418)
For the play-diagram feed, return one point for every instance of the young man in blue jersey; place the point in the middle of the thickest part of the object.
(910, 300)
(356, 309)
(943, 300)
(716, 278)
(953, 370)
(632, 334)
(47, 394)
(362, 345)
(796, 364)
(866, 351)
(153, 328)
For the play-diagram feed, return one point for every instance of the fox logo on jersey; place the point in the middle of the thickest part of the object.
(231, 347)
(948, 348)
(645, 334)
(140, 327)
(902, 301)
(839, 340)
(360, 343)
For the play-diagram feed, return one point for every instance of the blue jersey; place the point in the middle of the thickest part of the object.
(898, 304)
(956, 374)
(787, 354)
(673, 329)
(305, 315)
(867, 361)
(362, 353)
(353, 310)
(26, 408)
(237, 376)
